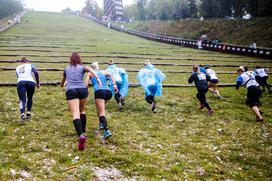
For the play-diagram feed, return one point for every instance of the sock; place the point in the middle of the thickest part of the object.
(117, 98)
(83, 122)
(103, 121)
(78, 126)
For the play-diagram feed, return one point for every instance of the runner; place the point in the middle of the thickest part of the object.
(102, 94)
(76, 94)
(201, 83)
(121, 79)
(151, 79)
(212, 84)
(247, 79)
(261, 78)
(26, 87)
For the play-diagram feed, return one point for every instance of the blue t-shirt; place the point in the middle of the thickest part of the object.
(74, 77)
(103, 80)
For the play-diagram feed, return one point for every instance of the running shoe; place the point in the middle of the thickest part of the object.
(106, 135)
(219, 97)
(23, 117)
(259, 120)
(82, 142)
(122, 99)
(120, 106)
(101, 127)
(211, 112)
(28, 115)
(153, 107)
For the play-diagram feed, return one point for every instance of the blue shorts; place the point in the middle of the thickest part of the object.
(77, 93)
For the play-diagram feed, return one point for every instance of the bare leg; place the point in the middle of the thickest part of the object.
(82, 105)
(256, 111)
(100, 107)
(74, 108)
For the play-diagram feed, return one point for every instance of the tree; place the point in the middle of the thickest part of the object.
(239, 8)
(225, 8)
(141, 9)
(265, 8)
(192, 8)
(10, 7)
(92, 8)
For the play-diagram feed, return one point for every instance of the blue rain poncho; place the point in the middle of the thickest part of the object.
(121, 79)
(148, 76)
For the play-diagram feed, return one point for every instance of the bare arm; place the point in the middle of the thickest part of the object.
(87, 80)
(63, 81)
(92, 72)
(113, 80)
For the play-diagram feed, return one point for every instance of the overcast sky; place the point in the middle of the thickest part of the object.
(58, 5)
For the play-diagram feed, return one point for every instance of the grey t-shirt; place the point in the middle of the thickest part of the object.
(74, 77)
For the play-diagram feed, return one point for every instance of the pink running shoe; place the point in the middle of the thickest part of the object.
(82, 142)
(211, 112)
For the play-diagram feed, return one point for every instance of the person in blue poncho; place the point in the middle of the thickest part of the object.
(121, 79)
(151, 79)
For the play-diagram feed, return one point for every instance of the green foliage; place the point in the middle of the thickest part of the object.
(10, 7)
(177, 9)
(92, 8)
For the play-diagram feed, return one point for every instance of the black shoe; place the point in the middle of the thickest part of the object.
(259, 120)
(23, 117)
(122, 100)
(120, 106)
(28, 115)
(153, 107)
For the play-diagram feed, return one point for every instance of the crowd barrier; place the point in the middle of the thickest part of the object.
(218, 47)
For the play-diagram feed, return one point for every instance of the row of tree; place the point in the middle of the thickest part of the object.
(10, 7)
(176, 9)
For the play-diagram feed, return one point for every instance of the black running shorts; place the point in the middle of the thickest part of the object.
(253, 96)
(78, 93)
(103, 94)
(214, 81)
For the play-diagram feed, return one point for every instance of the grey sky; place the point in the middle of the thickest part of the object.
(58, 5)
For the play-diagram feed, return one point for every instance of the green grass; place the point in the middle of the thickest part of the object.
(173, 144)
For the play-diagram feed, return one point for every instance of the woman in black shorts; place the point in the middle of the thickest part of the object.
(102, 95)
(77, 93)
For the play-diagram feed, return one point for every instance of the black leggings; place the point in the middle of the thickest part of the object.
(201, 96)
(263, 82)
(150, 99)
(25, 88)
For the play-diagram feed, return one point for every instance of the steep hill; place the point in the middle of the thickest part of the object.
(238, 31)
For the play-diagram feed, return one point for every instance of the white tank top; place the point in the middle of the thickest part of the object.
(249, 79)
(24, 72)
(211, 73)
(261, 72)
